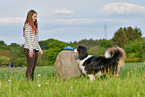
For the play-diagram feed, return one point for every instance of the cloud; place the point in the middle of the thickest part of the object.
(121, 8)
(11, 20)
(63, 11)
(12, 39)
(74, 21)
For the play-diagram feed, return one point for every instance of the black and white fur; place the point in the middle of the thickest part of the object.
(96, 65)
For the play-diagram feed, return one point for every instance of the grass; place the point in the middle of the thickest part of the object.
(130, 83)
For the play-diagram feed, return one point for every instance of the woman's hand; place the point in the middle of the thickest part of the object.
(41, 52)
(31, 55)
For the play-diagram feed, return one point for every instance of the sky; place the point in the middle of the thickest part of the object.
(70, 20)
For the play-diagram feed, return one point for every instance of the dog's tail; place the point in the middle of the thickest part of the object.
(117, 53)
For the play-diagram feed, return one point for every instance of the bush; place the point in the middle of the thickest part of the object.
(133, 49)
(126, 35)
(105, 43)
(132, 55)
(134, 60)
(4, 60)
(19, 62)
(97, 51)
(143, 50)
(54, 48)
(43, 60)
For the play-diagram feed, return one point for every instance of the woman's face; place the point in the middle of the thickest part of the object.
(34, 17)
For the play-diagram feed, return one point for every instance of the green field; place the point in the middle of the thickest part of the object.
(130, 83)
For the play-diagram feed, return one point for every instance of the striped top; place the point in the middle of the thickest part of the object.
(31, 39)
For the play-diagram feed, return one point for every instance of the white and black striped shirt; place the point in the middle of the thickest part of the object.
(31, 39)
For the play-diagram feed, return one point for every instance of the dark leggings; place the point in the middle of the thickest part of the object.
(31, 63)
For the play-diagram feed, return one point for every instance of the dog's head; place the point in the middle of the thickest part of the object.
(82, 52)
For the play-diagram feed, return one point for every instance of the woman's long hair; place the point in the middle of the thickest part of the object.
(29, 20)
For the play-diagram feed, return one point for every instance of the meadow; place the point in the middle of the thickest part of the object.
(130, 83)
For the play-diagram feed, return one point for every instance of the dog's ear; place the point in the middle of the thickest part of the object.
(82, 52)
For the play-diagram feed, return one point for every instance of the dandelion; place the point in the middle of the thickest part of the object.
(9, 80)
(46, 83)
(39, 75)
(39, 85)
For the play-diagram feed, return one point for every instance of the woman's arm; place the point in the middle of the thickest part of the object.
(28, 31)
(40, 50)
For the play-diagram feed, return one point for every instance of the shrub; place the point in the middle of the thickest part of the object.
(105, 43)
(54, 48)
(4, 60)
(143, 50)
(19, 62)
(126, 35)
(97, 51)
(133, 49)
(43, 60)
(134, 60)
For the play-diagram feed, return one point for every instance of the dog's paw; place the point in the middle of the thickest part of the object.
(92, 77)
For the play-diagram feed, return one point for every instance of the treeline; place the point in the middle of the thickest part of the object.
(130, 39)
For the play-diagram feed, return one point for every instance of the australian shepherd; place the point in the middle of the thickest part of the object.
(98, 65)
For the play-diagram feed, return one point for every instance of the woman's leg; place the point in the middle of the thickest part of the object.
(35, 62)
(30, 65)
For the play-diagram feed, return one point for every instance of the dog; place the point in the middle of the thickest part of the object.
(98, 65)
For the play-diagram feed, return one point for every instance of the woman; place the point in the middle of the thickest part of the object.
(31, 47)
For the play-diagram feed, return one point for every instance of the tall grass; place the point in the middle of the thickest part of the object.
(130, 83)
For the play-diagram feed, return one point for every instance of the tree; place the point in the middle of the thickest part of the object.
(5, 53)
(4, 60)
(54, 48)
(97, 51)
(133, 49)
(143, 50)
(87, 43)
(44, 44)
(18, 56)
(2, 43)
(133, 34)
(126, 35)
(14, 45)
(105, 43)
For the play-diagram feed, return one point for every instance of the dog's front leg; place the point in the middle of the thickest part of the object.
(92, 77)
(98, 74)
